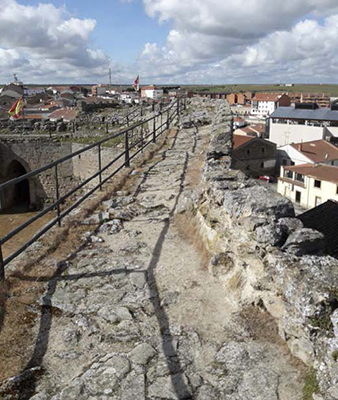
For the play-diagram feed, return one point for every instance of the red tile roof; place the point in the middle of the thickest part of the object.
(64, 113)
(317, 171)
(239, 140)
(317, 150)
(31, 116)
(267, 96)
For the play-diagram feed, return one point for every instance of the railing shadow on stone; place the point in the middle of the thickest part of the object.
(131, 150)
(27, 380)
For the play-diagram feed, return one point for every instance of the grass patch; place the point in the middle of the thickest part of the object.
(311, 385)
(94, 139)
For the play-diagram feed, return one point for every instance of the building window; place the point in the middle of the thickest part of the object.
(298, 196)
(318, 201)
(284, 161)
(263, 150)
(292, 163)
(248, 152)
(288, 174)
(318, 184)
(299, 177)
(262, 165)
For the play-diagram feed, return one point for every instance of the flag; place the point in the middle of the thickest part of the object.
(136, 83)
(15, 111)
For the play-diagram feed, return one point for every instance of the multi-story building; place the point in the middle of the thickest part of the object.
(309, 185)
(264, 104)
(254, 156)
(302, 123)
(98, 90)
(151, 92)
(232, 98)
(321, 99)
(241, 99)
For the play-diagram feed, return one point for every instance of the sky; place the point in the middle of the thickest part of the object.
(169, 41)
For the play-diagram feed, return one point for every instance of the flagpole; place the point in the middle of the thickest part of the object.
(23, 108)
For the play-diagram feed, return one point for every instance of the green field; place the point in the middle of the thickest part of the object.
(305, 88)
(315, 88)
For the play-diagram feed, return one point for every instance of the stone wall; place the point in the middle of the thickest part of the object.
(264, 256)
(33, 153)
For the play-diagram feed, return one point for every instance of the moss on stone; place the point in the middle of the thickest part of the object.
(335, 355)
(311, 385)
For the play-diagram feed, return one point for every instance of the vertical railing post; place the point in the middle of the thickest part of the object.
(126, 150)
(100, 165)
(168, 119)
(107, 128)
(2, 266)
(57, 194)
(142, 136)
(154, 129)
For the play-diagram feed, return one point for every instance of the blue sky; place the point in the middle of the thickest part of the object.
(169, 41)
(122, 27)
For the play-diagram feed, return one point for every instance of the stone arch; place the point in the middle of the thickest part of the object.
(17, 196)
(13, 165)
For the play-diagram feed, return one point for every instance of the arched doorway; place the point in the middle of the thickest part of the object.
(18, 196)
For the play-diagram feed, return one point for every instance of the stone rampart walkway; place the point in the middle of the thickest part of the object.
(135, 314)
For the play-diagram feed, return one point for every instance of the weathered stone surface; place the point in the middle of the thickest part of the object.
(112, 227)
(164, 388)
(123, 201)
(221, 264)
(277, 264)
(305, 241)
(96, 219)
(142, 354)
(256, 202)
(291, 224)
(272, 234)
(134, 387)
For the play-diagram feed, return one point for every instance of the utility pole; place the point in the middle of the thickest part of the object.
(110, 77)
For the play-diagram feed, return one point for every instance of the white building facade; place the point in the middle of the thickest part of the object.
(151, 92)
(309, 185)
(291, 125)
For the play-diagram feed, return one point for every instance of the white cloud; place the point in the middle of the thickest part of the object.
(250, 40)
(44, 43)
(210, 41)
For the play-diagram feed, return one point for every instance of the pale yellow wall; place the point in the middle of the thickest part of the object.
(328, 190)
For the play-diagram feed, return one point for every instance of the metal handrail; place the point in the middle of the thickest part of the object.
(56, 205)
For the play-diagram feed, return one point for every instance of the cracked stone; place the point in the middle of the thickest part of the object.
(142, 354)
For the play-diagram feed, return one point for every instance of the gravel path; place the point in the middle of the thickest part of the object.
(135, 314)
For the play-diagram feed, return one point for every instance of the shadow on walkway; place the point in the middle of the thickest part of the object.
(26, 384)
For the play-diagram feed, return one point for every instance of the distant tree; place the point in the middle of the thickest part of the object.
(84, 91)
(130, 89)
